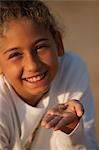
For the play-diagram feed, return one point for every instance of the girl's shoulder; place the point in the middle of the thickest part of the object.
(72, 61)
(72, 57)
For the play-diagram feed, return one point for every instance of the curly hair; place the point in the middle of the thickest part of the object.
(34, 10)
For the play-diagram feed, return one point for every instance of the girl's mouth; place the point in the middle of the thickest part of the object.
(37, 78)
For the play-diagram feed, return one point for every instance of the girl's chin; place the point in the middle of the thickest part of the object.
(41, 90)
(38, 87)
(37, 91)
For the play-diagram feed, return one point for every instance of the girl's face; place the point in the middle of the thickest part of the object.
(28, 59)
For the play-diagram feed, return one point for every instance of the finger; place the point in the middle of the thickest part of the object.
(76, 107)
(65, 121)
(53, 122)
(46, 119)
(79, 108)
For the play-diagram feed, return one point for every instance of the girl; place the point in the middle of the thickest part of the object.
(41, 87)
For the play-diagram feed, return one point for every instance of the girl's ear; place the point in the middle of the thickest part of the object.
(60, 47)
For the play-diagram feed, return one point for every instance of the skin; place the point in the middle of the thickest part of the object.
(29, 53)
(64, 117)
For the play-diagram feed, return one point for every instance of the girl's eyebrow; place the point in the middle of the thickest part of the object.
(10, 49)
(40, 40)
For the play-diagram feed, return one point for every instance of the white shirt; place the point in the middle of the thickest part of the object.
(18, 120)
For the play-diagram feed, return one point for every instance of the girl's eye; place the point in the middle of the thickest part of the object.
(42, 47)
(14, 55)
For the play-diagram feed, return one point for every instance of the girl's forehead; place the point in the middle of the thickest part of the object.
(20, 31)
(24, 26)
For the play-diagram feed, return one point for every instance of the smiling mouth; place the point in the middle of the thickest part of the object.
(37, 78)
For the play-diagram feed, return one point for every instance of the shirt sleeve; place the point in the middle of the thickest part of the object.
(4, 132)
(78, 88)
(9, 128)
(84, 135)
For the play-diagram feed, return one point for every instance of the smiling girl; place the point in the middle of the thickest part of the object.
(41, 86)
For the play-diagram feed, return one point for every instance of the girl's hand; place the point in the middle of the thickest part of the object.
(63, 117)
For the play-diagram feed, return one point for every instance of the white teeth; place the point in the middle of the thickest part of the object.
(34, 79)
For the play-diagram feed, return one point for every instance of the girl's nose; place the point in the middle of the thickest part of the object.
(32, 63)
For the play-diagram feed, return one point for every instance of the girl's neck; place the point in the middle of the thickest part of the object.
(34, 101)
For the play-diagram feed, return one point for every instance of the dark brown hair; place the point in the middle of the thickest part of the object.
(34, 10)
